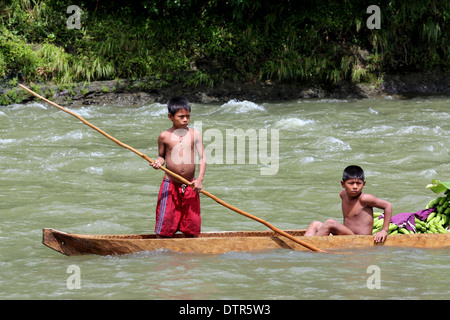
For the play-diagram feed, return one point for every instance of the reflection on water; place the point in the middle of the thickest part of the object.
(58, 173)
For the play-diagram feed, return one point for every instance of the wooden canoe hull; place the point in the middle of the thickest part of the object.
(222, 242)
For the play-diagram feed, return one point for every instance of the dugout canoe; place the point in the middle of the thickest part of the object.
(221, 242)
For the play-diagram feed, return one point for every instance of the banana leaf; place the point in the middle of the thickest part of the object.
(438, 186)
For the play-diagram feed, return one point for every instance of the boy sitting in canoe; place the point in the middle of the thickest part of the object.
(357, 209)
(178, 206)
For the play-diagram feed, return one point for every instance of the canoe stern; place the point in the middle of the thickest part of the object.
(48, 239)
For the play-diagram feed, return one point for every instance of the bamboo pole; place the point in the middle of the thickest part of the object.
(281, 232)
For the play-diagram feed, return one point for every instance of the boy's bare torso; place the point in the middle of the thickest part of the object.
(358, 215)
(179, 152)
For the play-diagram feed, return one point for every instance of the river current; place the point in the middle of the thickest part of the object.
(279, 161)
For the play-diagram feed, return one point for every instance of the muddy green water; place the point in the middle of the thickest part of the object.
(59, 173)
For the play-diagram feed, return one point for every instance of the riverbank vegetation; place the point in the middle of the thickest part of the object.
(207, 42)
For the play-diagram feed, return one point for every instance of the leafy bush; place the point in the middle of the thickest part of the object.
(208, 42)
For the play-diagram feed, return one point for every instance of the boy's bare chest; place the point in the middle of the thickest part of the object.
(179, 142)
(353, 208)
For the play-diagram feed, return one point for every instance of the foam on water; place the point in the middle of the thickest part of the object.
(18, 106)
(153, 110)
(7, 141)
(292, 123)
(69, 136)
(430, 173)
(239, 107)
(94, 170)
(84, 112)
(306, 160)
(371, 110)
(374, 130)
(333, 144)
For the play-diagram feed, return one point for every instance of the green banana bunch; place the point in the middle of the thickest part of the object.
(440, 219)
(377, 223)
(437, 222)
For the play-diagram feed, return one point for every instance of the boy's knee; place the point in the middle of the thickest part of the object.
(316, 223)
(330, 222)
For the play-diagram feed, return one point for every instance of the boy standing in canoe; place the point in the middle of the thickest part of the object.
(357, 209)
(178, 206)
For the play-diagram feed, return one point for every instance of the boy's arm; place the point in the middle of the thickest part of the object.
(372, 201)
(160, 160)
(197, 185)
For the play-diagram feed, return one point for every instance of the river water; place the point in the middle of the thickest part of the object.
(58, 173)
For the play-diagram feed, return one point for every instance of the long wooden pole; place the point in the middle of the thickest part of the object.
(172, 173)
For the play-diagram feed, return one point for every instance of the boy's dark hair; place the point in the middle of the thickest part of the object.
(353, 172)
(178, 103)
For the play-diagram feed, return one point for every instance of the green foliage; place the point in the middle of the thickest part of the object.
(208, 42)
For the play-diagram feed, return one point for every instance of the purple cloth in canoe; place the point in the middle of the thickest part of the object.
(406, 219)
